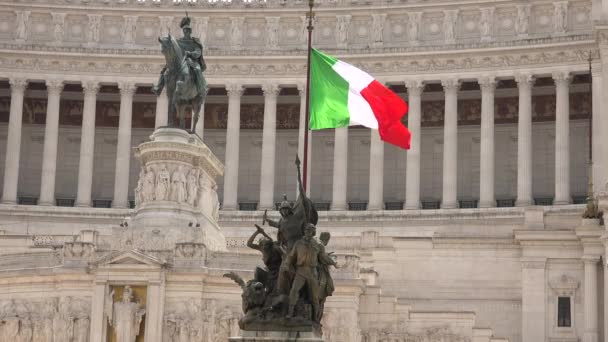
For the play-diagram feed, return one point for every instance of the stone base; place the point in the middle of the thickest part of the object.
(277, 336)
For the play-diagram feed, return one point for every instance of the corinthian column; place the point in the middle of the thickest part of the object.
(271, 92)
(376, 171)
(301, 133)
(13, 141)
(123, 146)
(562, 138)
(231, 171)
(340, 169)
(486, 165)
(450, 144)
(524, 141)
(51, 134)
(412, 173)
(87, 144)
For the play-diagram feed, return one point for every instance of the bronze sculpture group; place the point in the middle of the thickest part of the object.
(289, 292)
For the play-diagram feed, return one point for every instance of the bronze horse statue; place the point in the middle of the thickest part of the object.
(181, 84)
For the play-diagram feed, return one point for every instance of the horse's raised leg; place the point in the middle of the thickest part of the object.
(196, 112)
(171, 111)
(181, 108)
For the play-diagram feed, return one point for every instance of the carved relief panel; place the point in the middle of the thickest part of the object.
(75, 28)
(468, 24)
(397, 29)
(359, 35)
(432, 26)
(219, 33)
(251, 32)
(45, 319)
(505, 21)
(7, 24)
(541, 19)
(41, 27)
(290, 32)
(147, 31)
(111, 31)
(324, 33)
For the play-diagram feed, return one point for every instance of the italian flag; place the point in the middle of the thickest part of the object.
(342, 95)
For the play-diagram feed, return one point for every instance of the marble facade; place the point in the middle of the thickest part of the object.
(481, 243)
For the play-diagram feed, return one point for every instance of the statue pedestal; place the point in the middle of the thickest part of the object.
(276, 336)
(176, 195)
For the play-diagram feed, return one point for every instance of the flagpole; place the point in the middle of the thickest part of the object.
(311, 4)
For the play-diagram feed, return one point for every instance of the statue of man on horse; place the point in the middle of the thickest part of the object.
(183, 75)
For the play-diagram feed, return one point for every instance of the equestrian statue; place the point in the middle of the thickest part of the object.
(183, 75)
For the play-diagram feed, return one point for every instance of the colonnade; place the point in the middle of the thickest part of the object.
(415, 88)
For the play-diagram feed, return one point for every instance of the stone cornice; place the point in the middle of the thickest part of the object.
(396, 64)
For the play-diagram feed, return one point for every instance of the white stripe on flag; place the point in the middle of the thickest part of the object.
(356, 78)
(360, 111)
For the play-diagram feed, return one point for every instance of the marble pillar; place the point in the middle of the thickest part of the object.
(162, 109)
(51, 136)
(562, 138)
(412, 172)
(486, 147)
(87, 144)
(271, 93)
(450, 144)
(123, 146)
(376, 172)
(524, 141)
(231, 176)
(13, 141)
(97, 332)
(339, 184)
(533, 299)
(590, 295)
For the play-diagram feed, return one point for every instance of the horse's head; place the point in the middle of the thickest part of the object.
(170, 48)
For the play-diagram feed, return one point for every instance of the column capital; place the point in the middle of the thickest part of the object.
(54, 86)
(414, 87)
(301, 87)
(450, 84)
(18, 84)
(590, 259)
(127, 88)
(90, 87)
(271, 89)
(524, 79)
(235, 89)
(561, 77)
(487, 83)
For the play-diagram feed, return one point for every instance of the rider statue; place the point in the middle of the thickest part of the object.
(192, 49)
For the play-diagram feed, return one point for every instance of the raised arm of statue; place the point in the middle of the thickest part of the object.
(250, 242)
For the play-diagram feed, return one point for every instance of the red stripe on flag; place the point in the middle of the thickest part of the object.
(388, 108)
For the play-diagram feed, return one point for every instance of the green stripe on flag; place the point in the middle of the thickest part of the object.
(328, 93)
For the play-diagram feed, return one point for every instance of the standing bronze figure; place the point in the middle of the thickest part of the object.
(183, 75)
